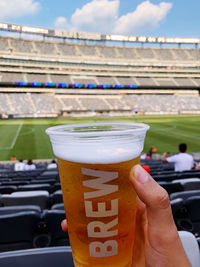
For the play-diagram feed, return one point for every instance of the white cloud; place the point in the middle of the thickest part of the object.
(102, 16)
(18, 8)
(146, 16)
(97, 15)
(61, 23)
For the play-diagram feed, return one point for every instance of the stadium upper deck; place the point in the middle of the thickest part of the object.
(80, 77)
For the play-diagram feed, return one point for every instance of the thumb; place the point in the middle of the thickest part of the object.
(156, 199)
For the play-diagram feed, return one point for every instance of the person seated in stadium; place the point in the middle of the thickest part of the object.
(182, 161)
(13, 158)
(29, 166)
(52, 165)
(163, 246)
(19, 166)
(197, 165)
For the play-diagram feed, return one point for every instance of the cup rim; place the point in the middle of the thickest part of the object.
(56, 130)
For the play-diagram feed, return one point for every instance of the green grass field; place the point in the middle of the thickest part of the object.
(27, 139)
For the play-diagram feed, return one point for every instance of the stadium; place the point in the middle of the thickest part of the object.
(50, 77)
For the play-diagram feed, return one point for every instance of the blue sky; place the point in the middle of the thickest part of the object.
(152, 17)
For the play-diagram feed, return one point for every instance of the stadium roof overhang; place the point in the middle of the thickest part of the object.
(54, 33)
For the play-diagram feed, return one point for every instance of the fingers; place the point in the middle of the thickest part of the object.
(159, 215)
(64, 225)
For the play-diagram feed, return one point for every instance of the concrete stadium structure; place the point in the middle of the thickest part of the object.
(83, 74)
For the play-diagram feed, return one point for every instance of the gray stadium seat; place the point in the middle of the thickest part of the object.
(18, 230)
(39, 198)
(185, 195)
(53, 219)
(7, 189)
(57, 197)
(180, 215)
(171, 187)
(191, 247)
(191, 185)
(185, 180)
(16, 209)
(34, 187)
(49, 174)
(59, 206)
(51, 257)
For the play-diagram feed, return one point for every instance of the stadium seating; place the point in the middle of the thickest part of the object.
(53, 219)
(51, 257)
(17, 209)
(171, 187)
(59, 206)
(191, 247)
(185, 195)
(17, 230)
(39, 198)
(57, 197)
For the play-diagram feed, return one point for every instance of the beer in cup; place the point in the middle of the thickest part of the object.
(94, 163)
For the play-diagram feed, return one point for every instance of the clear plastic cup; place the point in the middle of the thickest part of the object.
(94, 161)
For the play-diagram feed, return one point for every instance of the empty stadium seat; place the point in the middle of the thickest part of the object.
(43, 181)
(39, 198)
(59, 206)
(34, 187)
(191, 186)
(49, 174)
(185, 195)
(17, 230)
(53, 219)
(191, 247)
(171, 187)
(185, 180)
(7, 189)
(57, 197)
(180, 215)
(193, 208)
(16, 209)
(56, 187)
(15, 183)
(51, 257)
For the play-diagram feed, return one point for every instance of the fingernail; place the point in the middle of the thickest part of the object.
(140, 174)
(62, 223)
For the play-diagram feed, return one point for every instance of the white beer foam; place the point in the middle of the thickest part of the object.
(120, 145)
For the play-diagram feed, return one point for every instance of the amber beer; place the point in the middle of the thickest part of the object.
(94, 164)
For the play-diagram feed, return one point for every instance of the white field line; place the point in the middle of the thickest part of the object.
(14, 139)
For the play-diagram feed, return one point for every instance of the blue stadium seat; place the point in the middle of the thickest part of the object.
(180, 215)
(51, 257)
(39, 198)
(57, 197)
(59, 206)
(15, 183)
(34, 187)
(191, 186)
(53, 219)
(171, 187)
(193, 207)
(7, 189)
(16, 209)
(18, 230)
(184, 195)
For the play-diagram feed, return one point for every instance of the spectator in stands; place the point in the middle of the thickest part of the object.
(19, 166)
(52, 165)
(197, 165)
(29, 166)
(13, 158)
(182, 161)
(163, 246)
